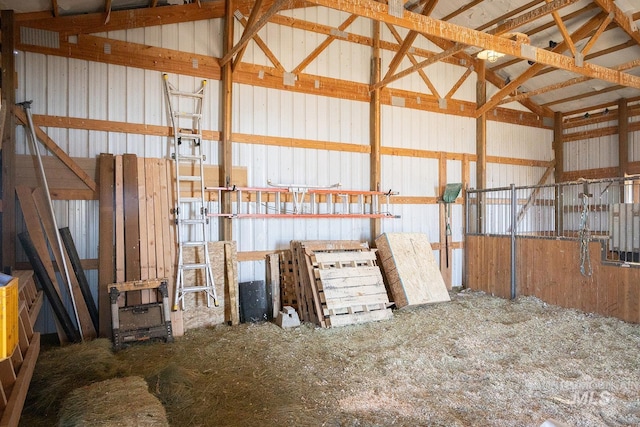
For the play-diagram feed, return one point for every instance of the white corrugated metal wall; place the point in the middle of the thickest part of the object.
(76, 88)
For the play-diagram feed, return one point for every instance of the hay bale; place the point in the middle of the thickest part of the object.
(119, 401)
(50, 385)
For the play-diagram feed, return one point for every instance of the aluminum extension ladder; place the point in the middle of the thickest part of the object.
(190, 213)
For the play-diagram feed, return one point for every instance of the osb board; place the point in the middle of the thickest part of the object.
(411, 269)
(64, 184)
(550, 270)
(196, 313)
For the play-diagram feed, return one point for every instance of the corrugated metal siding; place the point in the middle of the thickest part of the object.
(83, 89)
(592, 153)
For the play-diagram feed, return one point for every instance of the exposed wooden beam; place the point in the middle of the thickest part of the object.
(563, 31)
(7, 28)
(249, 32)
(375, 125)
(620, 18)
(594, 38)
(505, 27)
(534, 69)
(59, 152)
(107, 9)
(457, 85)
(253, 17)
(583, 95)
(561, 85)
(226, 153)
(153, 3)
(481, 142)
(407, 43)
(126, 19)
(558, 147)
(623, 137)
(322, 46)
(263, 46)
(509, 14)
(414, 61)
(54, 8)
(432, 60)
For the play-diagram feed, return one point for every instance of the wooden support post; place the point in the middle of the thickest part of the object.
(558, 152)
(226, 163)
(445, 243)
(7, 29)
(232, 285)
(374, 127)
(623, 137)
(481, 143)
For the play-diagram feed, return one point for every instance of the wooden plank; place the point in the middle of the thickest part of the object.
(342, 257)
(356, 318)
(150, 219)
(44, 212)
(232, 285)
(367, 274)
(60, 178)
(36, 234)
(119, 221)
(165, 223)
(410, 267)
(12, 412)
(106, 266)
(153, 167)
(131, 219)
(145, 295)
(272, 275)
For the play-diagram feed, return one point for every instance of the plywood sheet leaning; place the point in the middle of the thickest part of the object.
(411, 270)
(196, 313)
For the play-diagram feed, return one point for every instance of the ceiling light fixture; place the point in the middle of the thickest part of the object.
(490, 55)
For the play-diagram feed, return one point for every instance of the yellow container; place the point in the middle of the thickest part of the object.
(8, 315)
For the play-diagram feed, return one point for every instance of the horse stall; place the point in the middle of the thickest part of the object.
(576, 244)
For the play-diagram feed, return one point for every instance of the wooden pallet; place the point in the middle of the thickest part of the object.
(288, 294)
(338, 283)
(17, 370)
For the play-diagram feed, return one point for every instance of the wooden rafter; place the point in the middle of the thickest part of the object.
(431, 60)
(594, 38)
(534, 69)
(620, 18)
(561, 85)
(407, 43)
(318, 50)
(512, 13)
(263, 46)
(563, 31)
(414, 61)
(107, 9)
(457, 85)
(54, 8)
(505, 27)
(248, 23)
(249, 32)
(584, 95)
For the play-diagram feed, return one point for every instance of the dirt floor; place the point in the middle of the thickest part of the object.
(476, 361)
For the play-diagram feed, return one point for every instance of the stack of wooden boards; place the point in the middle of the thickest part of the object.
(338, 283)
(137, 235)
(16, 370)
(42, 239)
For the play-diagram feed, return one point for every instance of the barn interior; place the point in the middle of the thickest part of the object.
(346, 212)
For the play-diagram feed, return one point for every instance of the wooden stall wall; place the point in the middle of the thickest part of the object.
(550, 270)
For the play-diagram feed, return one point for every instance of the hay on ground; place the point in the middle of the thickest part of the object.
(477, 360)
(123, 402)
